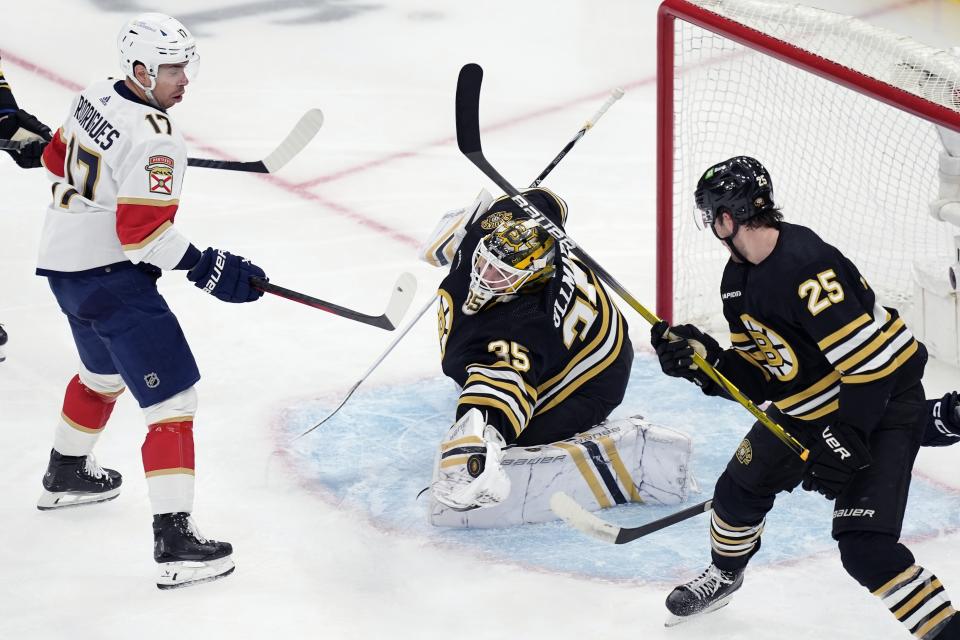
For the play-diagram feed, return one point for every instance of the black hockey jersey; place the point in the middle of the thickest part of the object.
(522, 356)
(807, 333)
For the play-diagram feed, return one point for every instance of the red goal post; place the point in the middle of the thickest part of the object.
(839, 111)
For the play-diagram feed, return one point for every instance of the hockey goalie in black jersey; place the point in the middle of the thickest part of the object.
(843, 374)
(541, 354)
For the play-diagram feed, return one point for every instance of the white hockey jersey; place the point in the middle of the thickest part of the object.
(117, 164)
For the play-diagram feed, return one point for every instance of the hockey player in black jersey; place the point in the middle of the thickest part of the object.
(843, 375)
(533, 339)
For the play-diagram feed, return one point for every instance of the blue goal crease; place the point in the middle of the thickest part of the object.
(377, 454)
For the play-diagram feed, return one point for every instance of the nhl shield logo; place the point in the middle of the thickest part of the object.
(160, 174)
(152, 380)
(745, 452)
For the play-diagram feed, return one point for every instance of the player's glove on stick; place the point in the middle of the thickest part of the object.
(832, 465)
(675, 347)
(29, 155)
(225, 276)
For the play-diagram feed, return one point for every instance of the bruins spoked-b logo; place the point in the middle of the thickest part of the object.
(745, 452)
(160, 174)
(772, 352)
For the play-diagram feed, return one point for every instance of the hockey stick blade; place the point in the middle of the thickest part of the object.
(298, 138)
(400, 299)
(566, 508)
(467, 109)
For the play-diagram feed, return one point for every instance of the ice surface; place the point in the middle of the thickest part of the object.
(322, 550)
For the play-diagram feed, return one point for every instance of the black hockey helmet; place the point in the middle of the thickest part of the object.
(740, 186)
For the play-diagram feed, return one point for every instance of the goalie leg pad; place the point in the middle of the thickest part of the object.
(618, 461)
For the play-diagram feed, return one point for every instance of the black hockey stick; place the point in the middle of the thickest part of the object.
(298, 138)
(615, 95)
(400, 299)
(468, 139)
(576, 516)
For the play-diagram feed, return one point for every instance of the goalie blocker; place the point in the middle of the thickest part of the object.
(615, 462)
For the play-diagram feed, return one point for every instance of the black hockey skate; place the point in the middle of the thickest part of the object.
(708, 592)
(71, 481)
(3, 343)
(184, 555)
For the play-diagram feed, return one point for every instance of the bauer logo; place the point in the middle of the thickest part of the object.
(854, 513)
(160, 174)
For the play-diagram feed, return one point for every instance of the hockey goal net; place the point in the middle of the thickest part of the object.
(839, 111)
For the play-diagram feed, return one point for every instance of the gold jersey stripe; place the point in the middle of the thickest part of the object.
(588, 375)
(871, 347)
(907, 607)
(170, 472)
(587, 472)
(626, 480)
(818, 387)
(506, 385)
(843, 332)
(930, 624)
(177, 419)
(887, 370)
(150, 238)
(496, 403)
(149, 202)
(504, 365)
(605, 312)
(731, 527)
(740, 337)
(907, 575)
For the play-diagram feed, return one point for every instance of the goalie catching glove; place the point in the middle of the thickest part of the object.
(675, 347)
(468, 472)
(832, 465)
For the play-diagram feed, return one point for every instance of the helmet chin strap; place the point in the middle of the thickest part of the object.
(148, 91)
(729, 240)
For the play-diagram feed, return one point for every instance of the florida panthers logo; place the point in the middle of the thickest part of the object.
(773, 352)
(160, 174)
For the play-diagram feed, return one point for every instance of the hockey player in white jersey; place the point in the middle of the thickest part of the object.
(118, 164)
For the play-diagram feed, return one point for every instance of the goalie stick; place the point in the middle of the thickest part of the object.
(468, 139)
(579, 518)
(400, 299)
(298, 138)
(615, 95)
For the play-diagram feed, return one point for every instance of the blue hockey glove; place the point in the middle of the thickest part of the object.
(832, 465)
(225, 276)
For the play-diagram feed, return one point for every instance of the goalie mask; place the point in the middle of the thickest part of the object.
(518, 254)
(153, 39)
(740, 186)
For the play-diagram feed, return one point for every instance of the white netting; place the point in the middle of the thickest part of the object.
(859, 172)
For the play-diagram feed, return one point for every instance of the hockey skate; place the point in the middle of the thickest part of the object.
(709, 591)
(71, 481)
(184, 555)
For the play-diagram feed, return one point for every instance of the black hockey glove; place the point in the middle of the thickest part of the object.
(676, 351)
(943, 422)
(840, 453)
(225, 276)
(28, 156)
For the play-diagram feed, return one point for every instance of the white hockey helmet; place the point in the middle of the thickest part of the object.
(153, 39)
